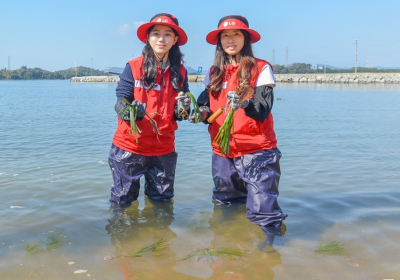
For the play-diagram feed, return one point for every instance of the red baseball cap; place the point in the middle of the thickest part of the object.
(163, 19)
(232, 22)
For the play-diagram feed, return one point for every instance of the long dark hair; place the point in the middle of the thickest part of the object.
(150, 67)
(247, 67)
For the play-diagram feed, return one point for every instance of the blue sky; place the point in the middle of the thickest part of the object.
(53, 35)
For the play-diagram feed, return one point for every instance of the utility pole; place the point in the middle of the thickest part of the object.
(356, 58)
(287, 57)
(76, 70)
(325, 68)
(9, 68)
(91, 69)
(273, 57)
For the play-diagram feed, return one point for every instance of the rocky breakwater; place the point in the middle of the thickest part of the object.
(115, 79)
(196, 78)
(363, 78)
(95, 79)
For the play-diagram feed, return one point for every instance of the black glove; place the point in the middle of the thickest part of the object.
(203, 115)
(234, 98)
(141, 108)
(120, 108)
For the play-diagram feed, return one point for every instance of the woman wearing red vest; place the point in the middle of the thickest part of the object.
(250, 172)
(152, 82)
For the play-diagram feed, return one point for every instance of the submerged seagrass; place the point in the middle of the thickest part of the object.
(210, 253)
(333, 247)
(155, 248)
(53, 240)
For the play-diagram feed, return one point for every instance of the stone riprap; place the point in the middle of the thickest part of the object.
(196, 78)
(95, 79)
(364, 78)
(115, 79)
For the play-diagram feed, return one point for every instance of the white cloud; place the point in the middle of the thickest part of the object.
(136, 24)
(122, 30)
(126, 28)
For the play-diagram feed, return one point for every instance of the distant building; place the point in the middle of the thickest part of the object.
(320, 66)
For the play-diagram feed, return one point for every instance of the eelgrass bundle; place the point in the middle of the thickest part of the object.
(185, 114)
(333, 247)
(133, 115)
(226, 130)
(224, 133)
(210, 253)
(156, 248)
(154, 124)
(196, 111)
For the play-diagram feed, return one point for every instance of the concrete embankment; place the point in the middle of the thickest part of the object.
(196, 78)
(115, 79)
(95, 79)
(363, 78)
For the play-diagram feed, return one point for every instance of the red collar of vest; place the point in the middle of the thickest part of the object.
(230, 69)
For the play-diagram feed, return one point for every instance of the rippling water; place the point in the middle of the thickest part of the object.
(340, 182)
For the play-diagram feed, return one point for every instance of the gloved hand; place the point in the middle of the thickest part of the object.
(234, 98)
(119, 108)
(121, 105)
(203, 115)
(141, 108)
(185, 101)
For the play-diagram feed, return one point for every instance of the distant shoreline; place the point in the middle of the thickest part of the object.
(353, 78)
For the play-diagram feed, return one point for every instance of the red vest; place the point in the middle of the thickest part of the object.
(159, 100)
(250, 135)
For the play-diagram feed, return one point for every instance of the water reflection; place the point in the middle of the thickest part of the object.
(232, 230)
(271, 233)
(132, 229)
(228, 229)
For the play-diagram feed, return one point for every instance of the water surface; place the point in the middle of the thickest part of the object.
(340, 179)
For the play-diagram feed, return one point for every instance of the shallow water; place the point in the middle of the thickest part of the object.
(340, 182)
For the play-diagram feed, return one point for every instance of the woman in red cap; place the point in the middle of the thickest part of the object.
(250, 172)
(152, 82)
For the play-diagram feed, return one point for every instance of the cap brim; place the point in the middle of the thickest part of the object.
(142, 32)
(212, 37)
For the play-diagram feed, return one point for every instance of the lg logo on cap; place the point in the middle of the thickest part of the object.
(162, 20)
(226, 23)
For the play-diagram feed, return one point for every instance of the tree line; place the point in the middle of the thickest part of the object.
(25, 73)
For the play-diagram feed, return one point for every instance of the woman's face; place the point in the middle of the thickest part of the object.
(161, 39)
(232, 41)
